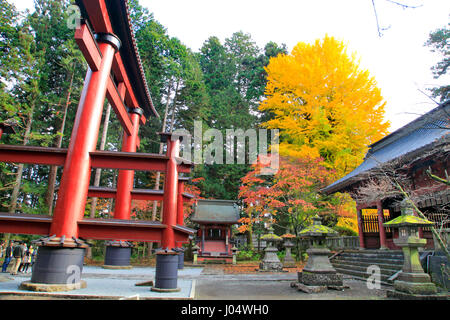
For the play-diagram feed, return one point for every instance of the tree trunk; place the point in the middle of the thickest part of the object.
(250, 233)
(17, 183)
(172, 120)
(54, 169)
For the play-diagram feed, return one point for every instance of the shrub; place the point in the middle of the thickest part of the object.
(344, 231)
(248, 255)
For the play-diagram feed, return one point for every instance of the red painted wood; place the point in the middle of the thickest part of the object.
(119, 70)
(170, 194)
(136, 194)
(32, 155)
(129, 160)
(100, 159)
(88, 47)
(381, 229)
(93, 56)
(98, 14)
(214, 246)
(77, 168)
(25, 223)
(118, 106)
(360, 228)
(81, 156)
(180, 203)
(111, 229)
(125, 179)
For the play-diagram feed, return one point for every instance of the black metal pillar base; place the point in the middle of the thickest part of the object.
(117, 257)
(180, 258)
(166, 276)
(58, 265)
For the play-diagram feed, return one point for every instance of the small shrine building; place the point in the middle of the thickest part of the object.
(215, 219)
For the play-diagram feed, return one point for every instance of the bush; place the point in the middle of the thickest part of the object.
(248, 255)
(344, 231)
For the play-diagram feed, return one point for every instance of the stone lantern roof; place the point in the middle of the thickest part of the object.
(271, 236)
(408, 218)
(317, 229)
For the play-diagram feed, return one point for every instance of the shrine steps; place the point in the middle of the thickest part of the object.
(355, 263)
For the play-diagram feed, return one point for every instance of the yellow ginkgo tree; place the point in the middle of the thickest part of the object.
(323, 104)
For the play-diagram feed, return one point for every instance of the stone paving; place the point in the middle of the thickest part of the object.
(196, 283)
(109, 284)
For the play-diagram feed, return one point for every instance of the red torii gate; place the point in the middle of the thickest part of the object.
(114, 71)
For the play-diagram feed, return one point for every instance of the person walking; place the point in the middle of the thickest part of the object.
(27, 260)
(33, 256)
(18, 254)
(24, 257)
(8, 256)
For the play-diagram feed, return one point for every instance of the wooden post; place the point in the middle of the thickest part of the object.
(74, 186)
(360, 228)
(126, 177)
(380, 225)
(170, 190)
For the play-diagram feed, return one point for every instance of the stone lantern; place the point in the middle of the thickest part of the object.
(271, 262)
(195, 253)
(234, 253)
(318, 275)
(288, 261)
(412, 282)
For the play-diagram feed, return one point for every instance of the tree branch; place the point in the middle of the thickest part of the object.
(439, 179)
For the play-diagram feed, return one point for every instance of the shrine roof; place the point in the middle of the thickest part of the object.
(216, 211)
(423, 134)
(119, 15)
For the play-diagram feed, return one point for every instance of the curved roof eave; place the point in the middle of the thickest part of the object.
(119, 14)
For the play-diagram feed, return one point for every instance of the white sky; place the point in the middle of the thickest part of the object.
(398, 60)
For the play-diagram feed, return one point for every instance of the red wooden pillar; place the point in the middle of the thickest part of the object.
(380, 225)
(202, 247)
(227, 238)
(360, 228)
(126, 177)
(180, 206)
(77, 168)
(170, 198)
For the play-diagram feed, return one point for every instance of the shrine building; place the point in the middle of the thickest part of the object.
(215, 218)
(410, 151)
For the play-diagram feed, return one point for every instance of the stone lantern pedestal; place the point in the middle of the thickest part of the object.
(288, 261)
(318, 275)
(412, 282)
(271, 262)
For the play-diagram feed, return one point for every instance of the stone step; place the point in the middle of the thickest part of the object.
(360, 275)
(348, 259)
(384, 269)
(372, 255)
(373, 251)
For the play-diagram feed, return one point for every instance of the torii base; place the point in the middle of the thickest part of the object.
(117, 257)
(42, 287)
(56, 269)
